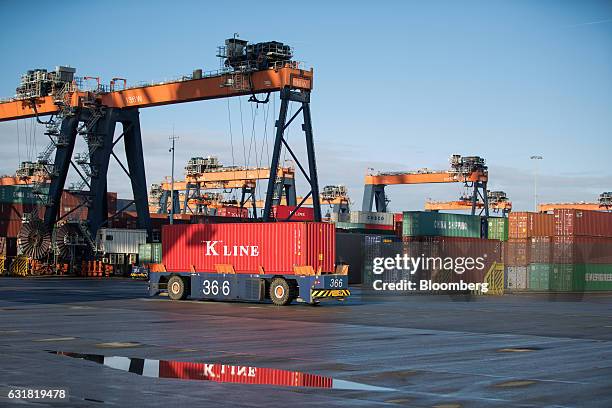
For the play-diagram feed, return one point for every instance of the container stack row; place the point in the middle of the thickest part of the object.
(567, 251)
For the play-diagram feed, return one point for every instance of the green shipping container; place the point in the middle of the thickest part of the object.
(425, 223)
(362, 228)
(590, 277)
(567, 278)
(149, 253)
(498, 228)
(539, 276)
(144, 253)
(18, 195)
(156, 253)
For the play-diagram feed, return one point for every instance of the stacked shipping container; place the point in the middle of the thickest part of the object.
(528, 244)
(569, 250)
(442, 244)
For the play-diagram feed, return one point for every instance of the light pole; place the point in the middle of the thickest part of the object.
(173, 139)
(535, 182)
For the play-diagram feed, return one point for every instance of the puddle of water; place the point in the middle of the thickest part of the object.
(515, 383)
(56, 339)
(225, 373)
(117, 344)
(518, 349)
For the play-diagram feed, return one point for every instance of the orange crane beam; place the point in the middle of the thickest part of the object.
(14, 180)
(212, 87)
(547, 207)
(464, 205)
(211, 185)
(425, 178)
(249, 174)
(227, 179)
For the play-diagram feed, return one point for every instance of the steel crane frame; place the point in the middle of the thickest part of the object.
(374, 189)
(100, 112)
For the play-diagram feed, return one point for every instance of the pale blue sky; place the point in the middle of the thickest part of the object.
(398, 85)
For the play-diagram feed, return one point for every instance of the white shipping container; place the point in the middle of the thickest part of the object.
(339, 217)
(120, 241)
(516, 277)
(367, 217)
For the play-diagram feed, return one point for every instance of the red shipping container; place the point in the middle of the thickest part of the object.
(111, 199)
(240, 374)
(527, 225)
(10, 228)
(581, 250)
(583, 223)
(516, 252)
(457, 250)
(231, 211)
(379, 227)
(398, 217)
(275, 247)
(15, 211)
(281, 213)
(540, 249)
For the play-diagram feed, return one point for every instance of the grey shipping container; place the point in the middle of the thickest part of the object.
(516, 277)
(120, 241)
(368, 217)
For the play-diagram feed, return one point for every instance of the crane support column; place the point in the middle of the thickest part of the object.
(480, 189)
(303, 97)
(100, 145)
(374, 194)
(312, 163)
(135, 158)
(61, 164)
(288, 188)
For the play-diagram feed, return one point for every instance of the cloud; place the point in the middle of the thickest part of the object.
(338, 162)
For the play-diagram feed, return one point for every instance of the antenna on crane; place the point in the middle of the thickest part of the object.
(173, 139)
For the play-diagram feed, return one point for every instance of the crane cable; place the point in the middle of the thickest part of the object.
(264, 143)
(229, 117)
(242, 130)
(253, 138)
(18, 143)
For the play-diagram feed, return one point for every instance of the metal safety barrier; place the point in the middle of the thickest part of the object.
(20, 266)
(495, 280)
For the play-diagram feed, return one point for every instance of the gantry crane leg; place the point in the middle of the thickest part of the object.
(248, 194)
(101, 145)
(61, 164)
(288, 187)
(163, 202)
(374, 194)
(303, 97)
(480, 190)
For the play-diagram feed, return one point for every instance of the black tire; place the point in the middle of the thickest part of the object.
(176, 288)
(280, 292)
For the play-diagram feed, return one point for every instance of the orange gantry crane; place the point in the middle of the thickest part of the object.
(497, 201)
(28, 173)
(247, 69)
(206, 173)
(470, 170)
(604, 204)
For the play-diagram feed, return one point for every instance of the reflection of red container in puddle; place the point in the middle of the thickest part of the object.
(240, 374)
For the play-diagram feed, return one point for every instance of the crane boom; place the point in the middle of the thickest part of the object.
(189, 90)
(425, 178)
